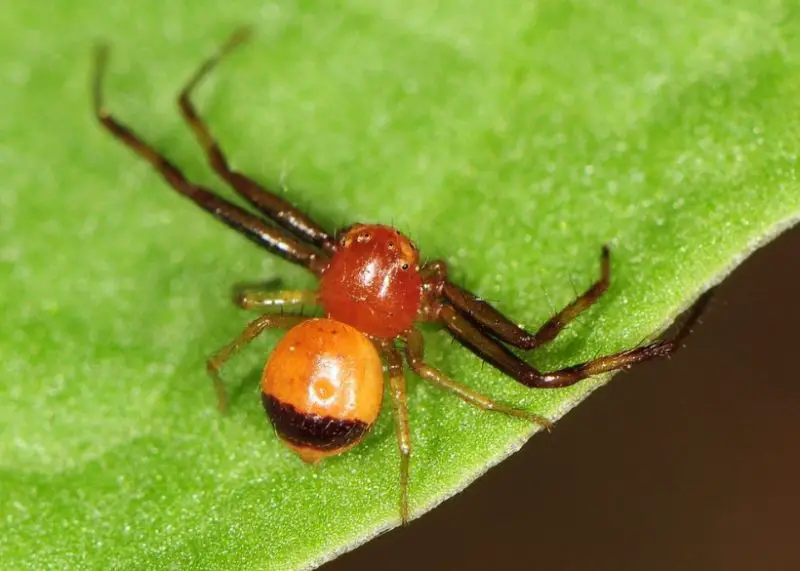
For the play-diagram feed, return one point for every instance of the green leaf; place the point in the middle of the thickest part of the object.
(512, 139)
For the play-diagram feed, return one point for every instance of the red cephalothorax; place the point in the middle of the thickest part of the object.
(321, 388)
(373, 281)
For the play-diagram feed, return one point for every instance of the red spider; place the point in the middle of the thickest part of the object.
(323, 385)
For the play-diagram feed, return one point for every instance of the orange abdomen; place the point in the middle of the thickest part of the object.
(322, 388)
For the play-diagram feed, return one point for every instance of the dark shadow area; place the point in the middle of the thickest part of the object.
(689, 464)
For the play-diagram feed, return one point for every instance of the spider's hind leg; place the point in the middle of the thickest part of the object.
(253, 329)
(250, 298)
(397, 388)
(416, 360)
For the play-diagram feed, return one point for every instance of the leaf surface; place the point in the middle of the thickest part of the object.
(512, 139)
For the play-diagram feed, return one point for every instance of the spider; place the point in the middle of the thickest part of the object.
(323, 385)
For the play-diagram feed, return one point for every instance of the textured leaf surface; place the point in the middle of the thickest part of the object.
(512, 139)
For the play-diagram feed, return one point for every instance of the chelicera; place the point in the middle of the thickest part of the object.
(322, 386)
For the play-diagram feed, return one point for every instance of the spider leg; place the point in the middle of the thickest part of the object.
(248, 298)
(491, 321)
(397, 388)
(502, 358)
(271, 205)
(253, 329)
(272, 239)
(415, 357)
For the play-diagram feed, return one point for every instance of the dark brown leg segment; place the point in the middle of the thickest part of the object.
(253, 330)
(415, 357)
(498, 325)
(273, 239)
(397, 387)
(501, 357)
(271, 205)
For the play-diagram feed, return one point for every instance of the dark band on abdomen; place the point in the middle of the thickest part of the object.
(312, 430)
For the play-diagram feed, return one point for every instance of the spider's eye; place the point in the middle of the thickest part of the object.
(404, 267)
(390, 245)
(364, 236)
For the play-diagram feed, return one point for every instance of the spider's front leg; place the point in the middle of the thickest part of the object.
(258, 230)
(268, 203)
(489, 320)
(501, 357)
(483, 329)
